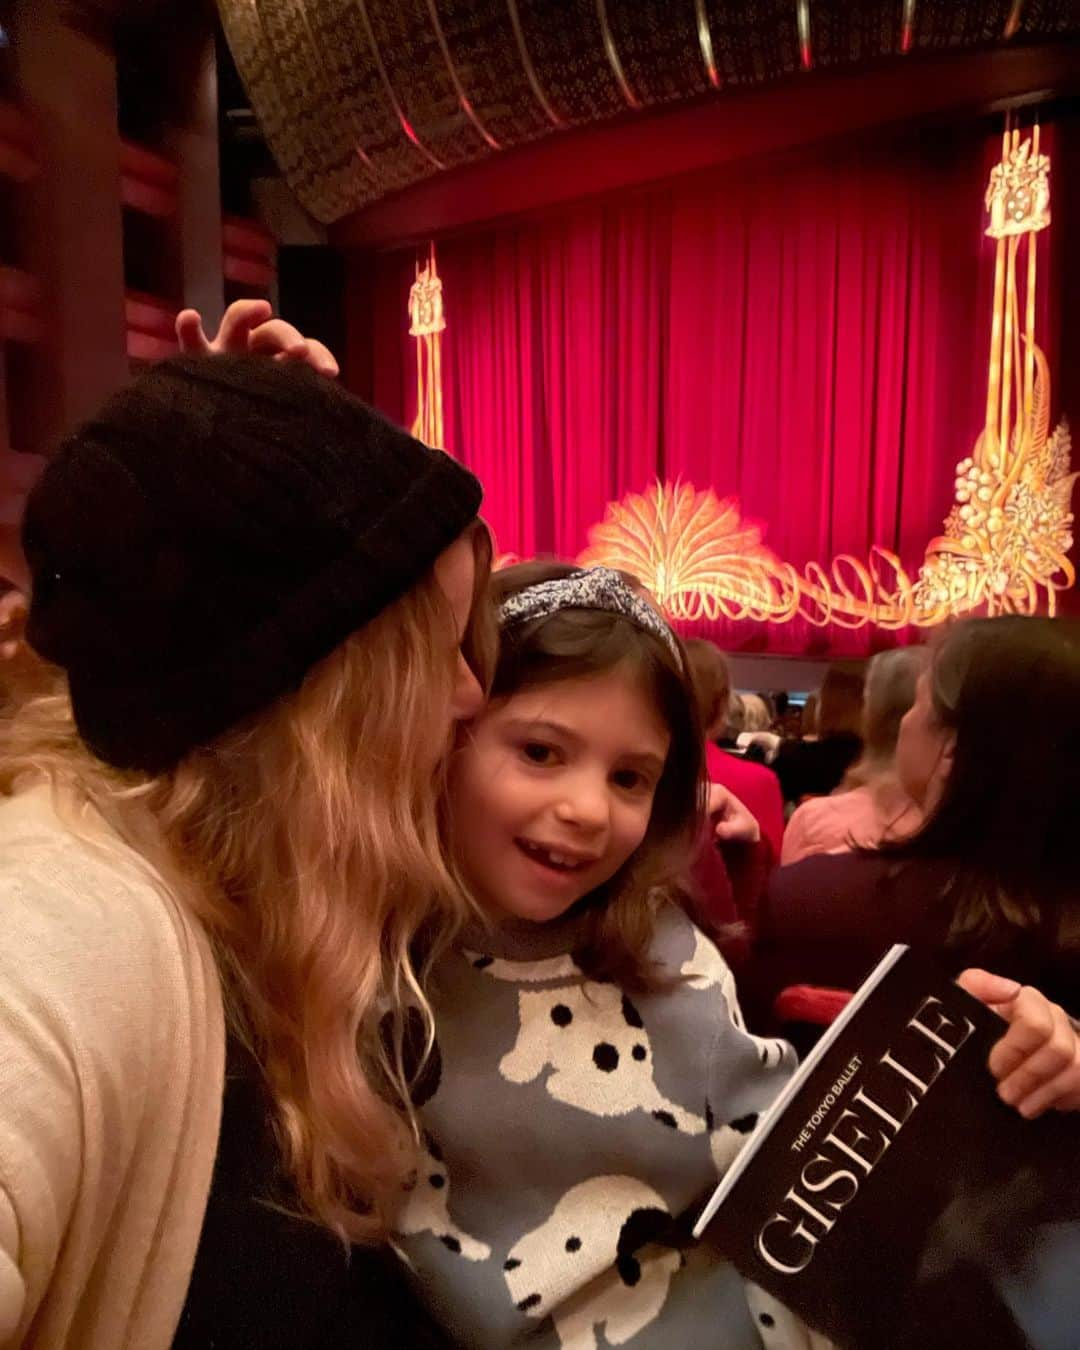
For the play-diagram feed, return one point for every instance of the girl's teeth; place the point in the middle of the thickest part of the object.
(551, 859)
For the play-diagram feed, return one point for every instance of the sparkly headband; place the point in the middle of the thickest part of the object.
(590, 588)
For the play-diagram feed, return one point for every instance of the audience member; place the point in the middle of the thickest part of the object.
(574, 809)
(869, 805)
(219, 850)
(992, 874)
(734, 722)
(757, 713)
(755, 786)
(758, 742)
(815, 768)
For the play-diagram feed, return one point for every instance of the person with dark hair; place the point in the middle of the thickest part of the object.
(814, 768)
(992, 874)
(754, 784)
(870, 804)
(575, 810)
(220, 862)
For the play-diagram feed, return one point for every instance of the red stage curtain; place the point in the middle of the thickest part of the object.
(811, 338)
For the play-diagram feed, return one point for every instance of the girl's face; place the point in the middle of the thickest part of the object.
(923, 749)
(552, 792)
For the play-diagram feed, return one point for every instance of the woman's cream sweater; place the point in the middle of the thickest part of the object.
(111, 1075)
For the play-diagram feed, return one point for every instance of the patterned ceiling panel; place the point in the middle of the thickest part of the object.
(357, 98)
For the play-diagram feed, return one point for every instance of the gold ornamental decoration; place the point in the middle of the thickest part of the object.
(1005, 542)
(427, 322)
(1018, 196)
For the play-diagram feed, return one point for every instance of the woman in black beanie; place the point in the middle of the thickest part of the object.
(220, 871)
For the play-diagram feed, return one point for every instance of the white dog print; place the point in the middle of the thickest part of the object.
(593, 1038)
(427, 1209)
(620, 1310)
(778, 1326)
(707, 969)
(592, 1263)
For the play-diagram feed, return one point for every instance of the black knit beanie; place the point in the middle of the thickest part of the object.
(217, 529)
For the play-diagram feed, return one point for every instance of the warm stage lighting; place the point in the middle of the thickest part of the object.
(802, 20)
(705, 43)
(1012, 23)
(907, 26)
(1005, 543)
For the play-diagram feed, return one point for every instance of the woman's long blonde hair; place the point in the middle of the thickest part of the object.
(308, 841)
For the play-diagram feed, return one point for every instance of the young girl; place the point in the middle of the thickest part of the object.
(592, 1074)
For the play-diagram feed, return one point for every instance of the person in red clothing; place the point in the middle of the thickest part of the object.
(753, 784)
(814, 768)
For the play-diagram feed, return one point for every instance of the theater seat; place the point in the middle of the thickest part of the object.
(810, 1005)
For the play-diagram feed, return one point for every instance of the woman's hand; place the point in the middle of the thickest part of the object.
(732, 821)
(248, 326)
(1037, 1061)
(12, 622)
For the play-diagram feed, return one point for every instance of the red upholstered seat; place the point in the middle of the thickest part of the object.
(809, 1004)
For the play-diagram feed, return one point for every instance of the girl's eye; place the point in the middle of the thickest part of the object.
(537, 753)
(630, 780)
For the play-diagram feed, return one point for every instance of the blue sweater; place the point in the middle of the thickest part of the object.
(568, 1127)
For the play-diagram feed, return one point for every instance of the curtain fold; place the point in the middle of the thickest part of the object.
(810, 338)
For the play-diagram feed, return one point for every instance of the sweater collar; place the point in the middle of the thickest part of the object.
(519, 939)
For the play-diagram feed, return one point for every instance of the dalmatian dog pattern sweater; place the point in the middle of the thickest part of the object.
(569, 1129)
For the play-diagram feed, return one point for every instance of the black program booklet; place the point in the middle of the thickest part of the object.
(891, 1199)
